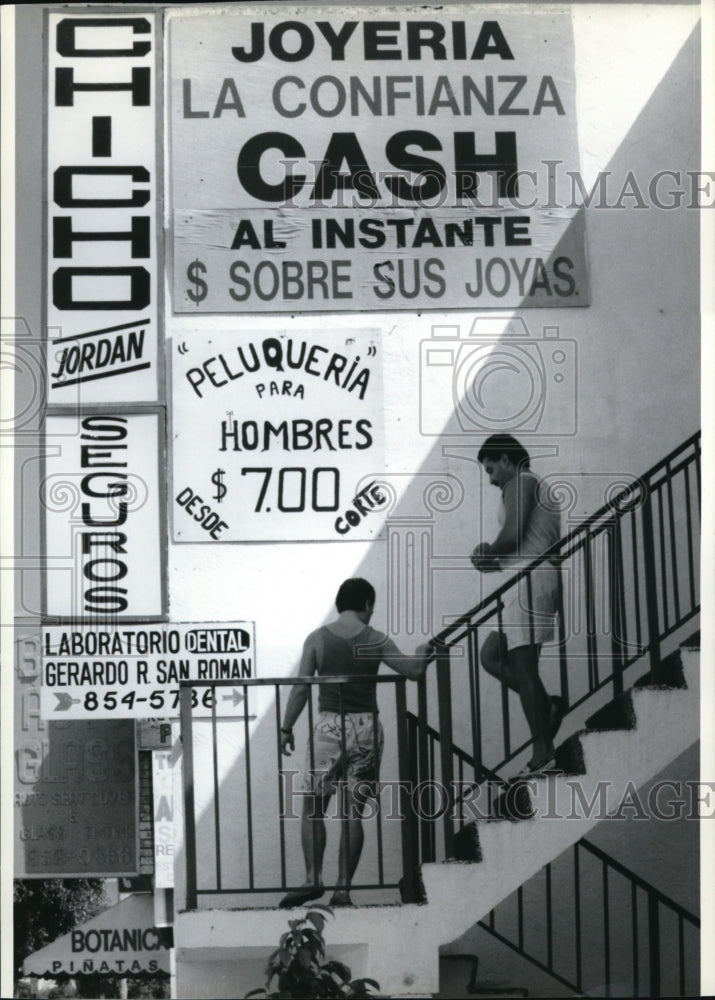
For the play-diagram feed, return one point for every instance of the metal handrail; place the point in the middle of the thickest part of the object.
(560, 549)
(641, 552)
(652, 954)
(639, 881)
(416, 738)
(219, 883)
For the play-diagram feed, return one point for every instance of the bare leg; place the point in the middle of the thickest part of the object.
(312, 835)
(524, 669)
(495, 660)
(519, 669)
(351, 841)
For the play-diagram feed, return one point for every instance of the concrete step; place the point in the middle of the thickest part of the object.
(459, 978)
(497, 854)
(669, 674)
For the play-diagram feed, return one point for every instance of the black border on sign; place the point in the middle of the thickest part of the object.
(137, 846)
(157, 13)
(135, 409)
(153, 406)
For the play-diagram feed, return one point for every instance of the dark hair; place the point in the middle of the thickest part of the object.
(354, 594)
(504, 444)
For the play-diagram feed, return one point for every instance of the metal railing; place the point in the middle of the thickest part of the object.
(618, 934)
(248, 847)
(628, 580)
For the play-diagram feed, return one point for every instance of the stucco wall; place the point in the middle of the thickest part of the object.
(637, 373)
(637, 377)
(662, 851)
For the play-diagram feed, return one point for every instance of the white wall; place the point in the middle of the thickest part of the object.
(664, 852)
(637, 371)
(638, 349)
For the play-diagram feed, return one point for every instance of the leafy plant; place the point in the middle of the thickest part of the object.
(299, 965)
(44, 909)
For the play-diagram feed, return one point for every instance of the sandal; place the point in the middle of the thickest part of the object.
(539, 765)
(341, 897)
(300, 896)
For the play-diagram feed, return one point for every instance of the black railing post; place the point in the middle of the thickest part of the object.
(342, 785)
(591, 641)
(217, 792)
(563, 662)
(634, 938)
(653, 944)
(281, 787)
(413, 767)
(376, 755)
(475, 700)
(651, 585)
(425, 775)
(689, 536)
(409, 830)
(444, 699)
(614, 594)
(506, 727)
(249, 791)
(577, 912)
(187, 744)
(673, 542)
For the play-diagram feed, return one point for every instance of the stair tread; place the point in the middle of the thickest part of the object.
(616, 714)
(670, 674)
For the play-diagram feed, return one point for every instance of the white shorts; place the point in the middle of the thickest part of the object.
(352, 755)
(529, 612)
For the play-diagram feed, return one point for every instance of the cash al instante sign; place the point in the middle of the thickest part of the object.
(372, 160)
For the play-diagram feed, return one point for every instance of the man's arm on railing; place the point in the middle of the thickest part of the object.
(298, 696)
(519, 499)
(413, 666)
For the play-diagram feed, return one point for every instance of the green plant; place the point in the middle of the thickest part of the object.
(299, 965)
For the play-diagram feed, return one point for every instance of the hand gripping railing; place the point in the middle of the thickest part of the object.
(247, 844)
(628, 580)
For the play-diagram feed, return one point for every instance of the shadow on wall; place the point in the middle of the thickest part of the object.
(594, 428)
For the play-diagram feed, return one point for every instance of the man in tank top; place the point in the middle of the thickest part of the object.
(529, 527)
(347, 738)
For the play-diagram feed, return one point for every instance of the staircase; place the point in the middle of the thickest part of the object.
(613, 933)
(633, 707)
(588, 923)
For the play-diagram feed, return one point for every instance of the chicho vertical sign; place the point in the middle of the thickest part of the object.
(102, 186)
(364, 159)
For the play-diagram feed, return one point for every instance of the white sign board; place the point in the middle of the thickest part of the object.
(119, 941)
(102, 196)
(103, 504)
(163, 799)
(277, 437)
(134, 671)
(365, 159)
